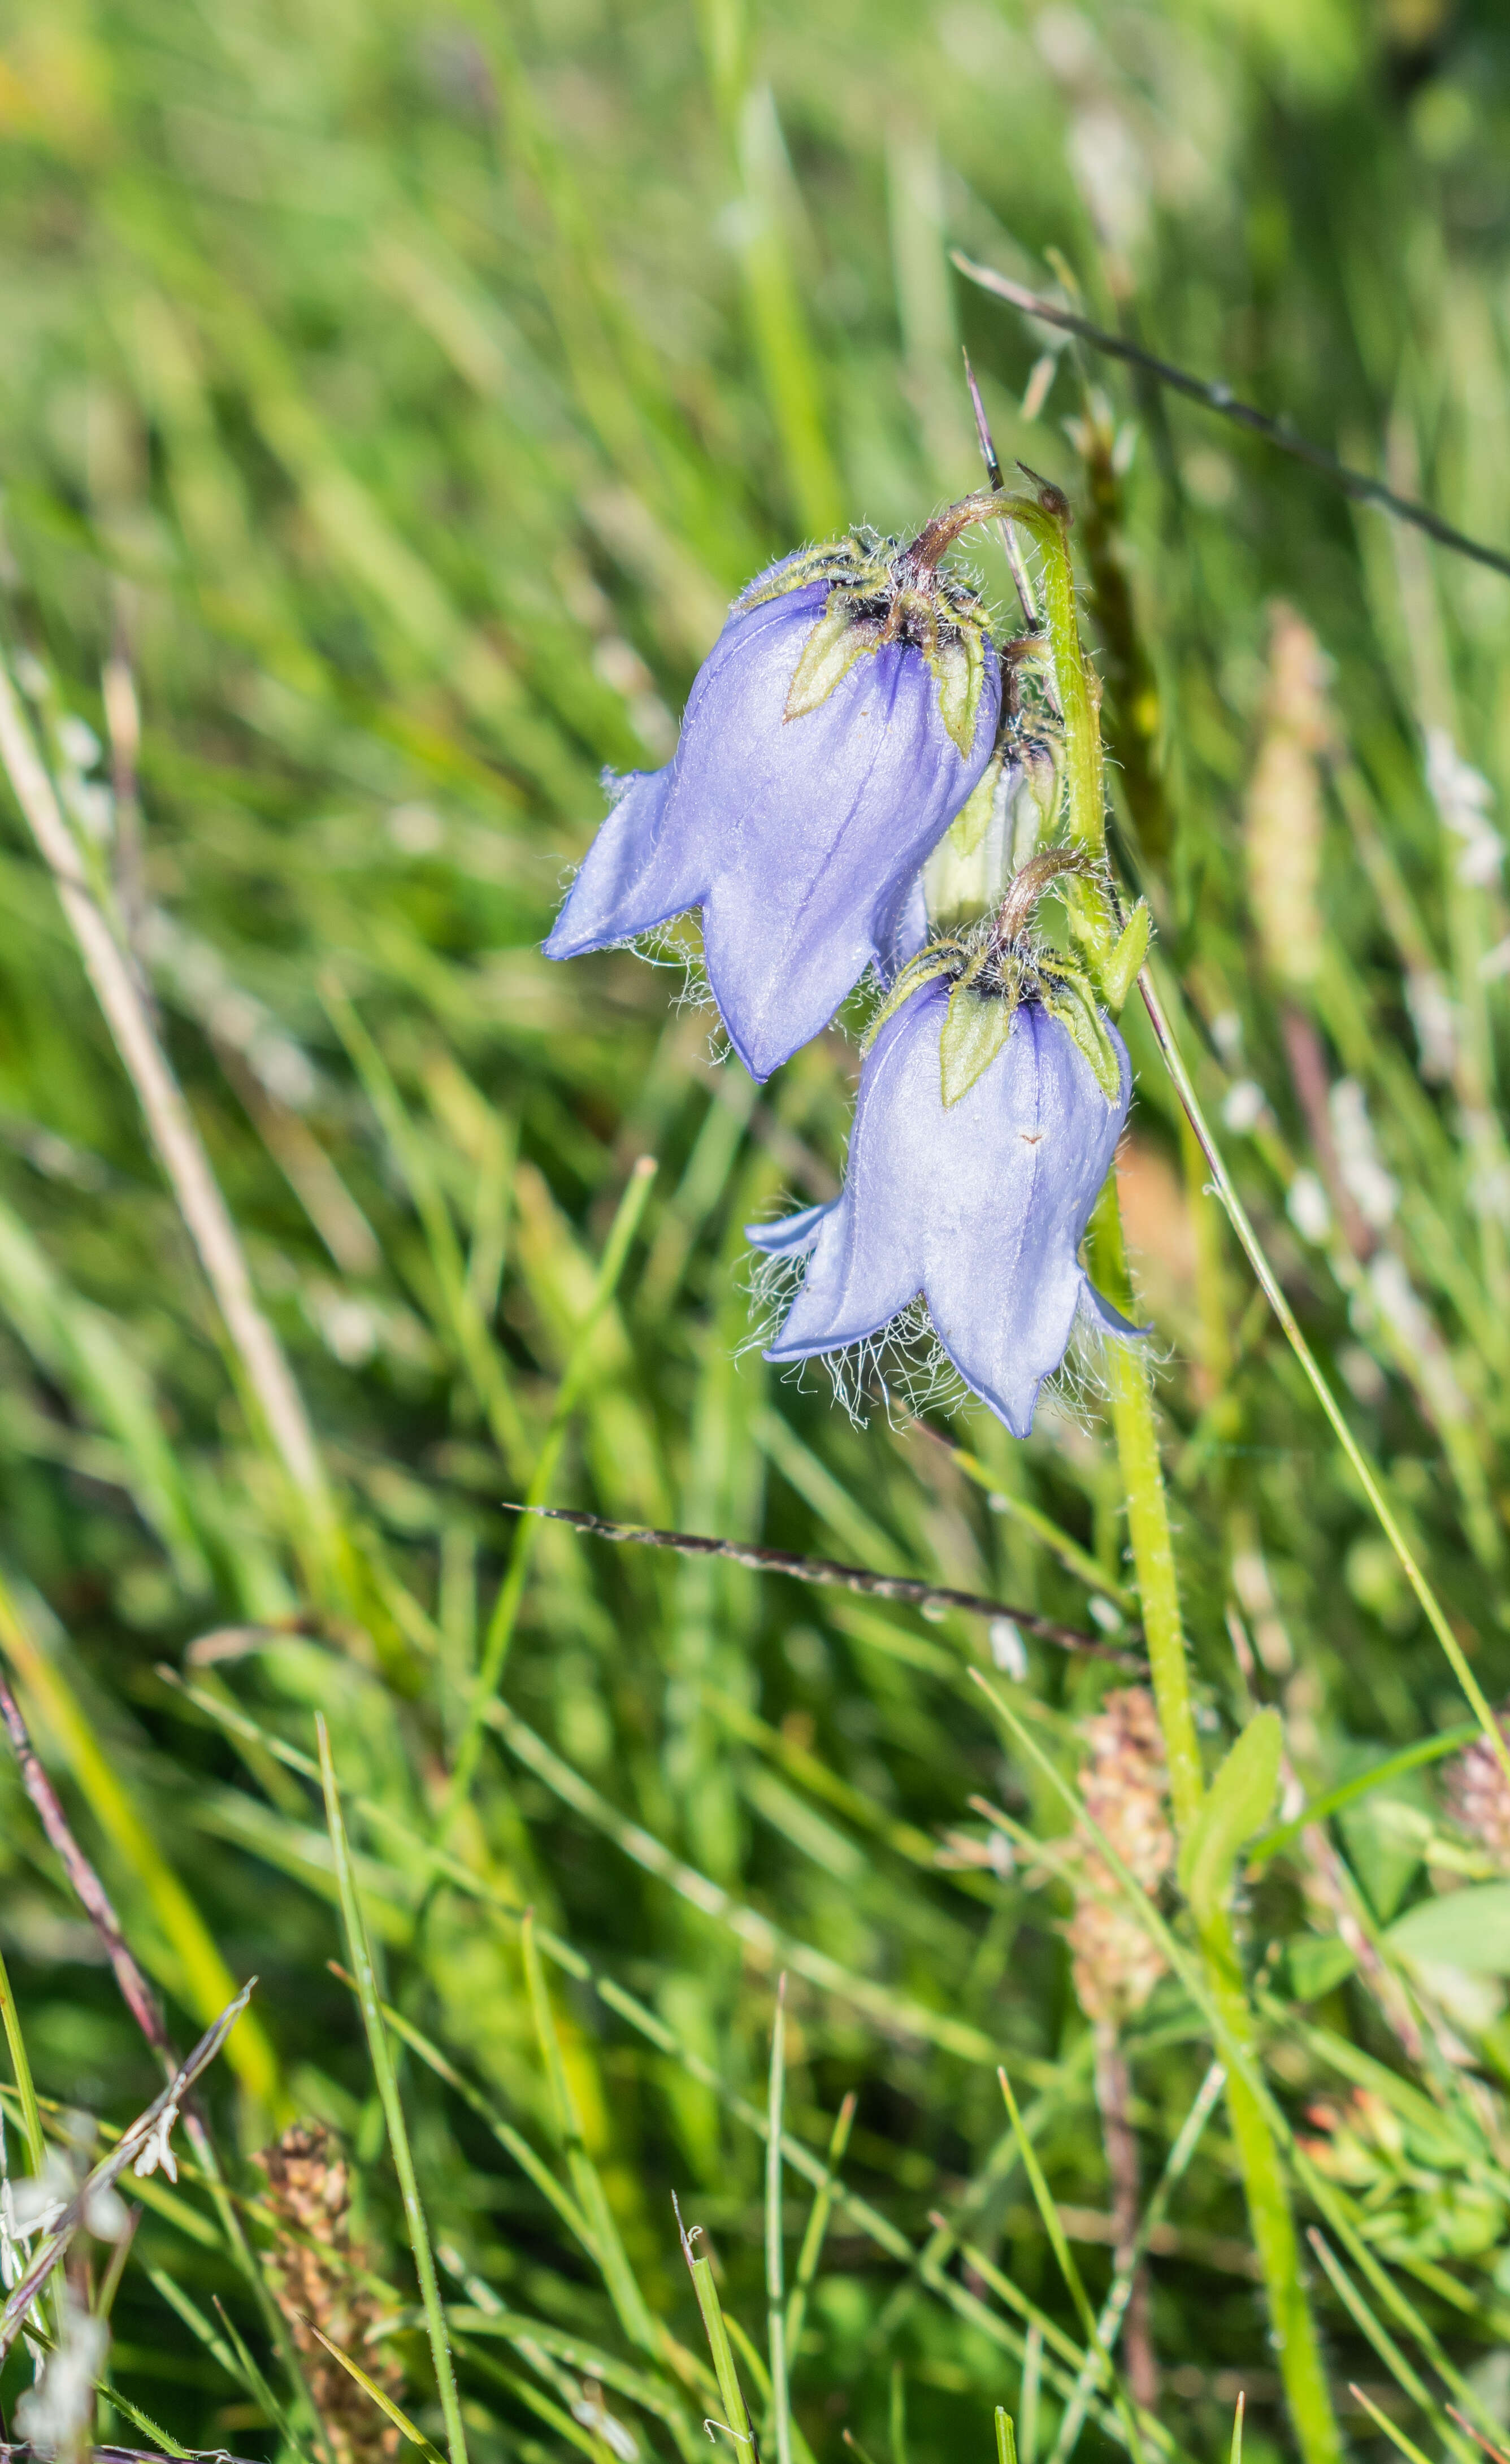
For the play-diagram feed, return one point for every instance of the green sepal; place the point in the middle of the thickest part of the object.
(1236, 1805)
(967, 832)
(1119, 970)
(958, 660)
(940, 959)
(976, 1025)
(1043, 776)
(845, 561)
(837, 640)
(1067, 997)
(1087, 919)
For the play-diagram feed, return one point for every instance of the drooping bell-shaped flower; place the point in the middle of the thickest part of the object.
(836, 727)
(986, 1123)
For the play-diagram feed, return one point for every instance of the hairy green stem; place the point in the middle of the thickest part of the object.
(1135, 1425)
(1147, 1517)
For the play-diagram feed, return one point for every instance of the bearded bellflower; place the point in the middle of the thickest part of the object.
(838, 724)
(991, 1103)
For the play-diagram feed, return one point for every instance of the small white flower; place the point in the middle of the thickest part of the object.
(1463, 798)
(1244, 1106)
(1007, 1652)
(59, 2410)
(1307, 1208)
(79, 742)
(105, 2214)
(1373, 1191)
(155, 2149)
(37, 2202)
(93, 807)
(1434, 1015)
(590, 2410)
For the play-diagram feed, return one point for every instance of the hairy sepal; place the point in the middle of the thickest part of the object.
(958, 660)
(1119, 970)
(976, 1025)
(838, 639)
(1069, 999)
(854, 562)
(940, 959)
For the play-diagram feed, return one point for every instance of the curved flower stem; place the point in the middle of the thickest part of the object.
(935, 538)
(1135, 1426)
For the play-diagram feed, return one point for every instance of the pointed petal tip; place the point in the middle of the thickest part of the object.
(791, 1236)
(1109, 1320)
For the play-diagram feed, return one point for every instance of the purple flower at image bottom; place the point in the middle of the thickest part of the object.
(978, 1208)
(798, 807)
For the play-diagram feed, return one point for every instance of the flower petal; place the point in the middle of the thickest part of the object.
(830, 823)
(633, 876)
(980, 1206)
(800, 838)
(1004, 1278)
(793, 1235)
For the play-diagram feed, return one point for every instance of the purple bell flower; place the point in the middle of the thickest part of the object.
(977, 1206)
(834, 730)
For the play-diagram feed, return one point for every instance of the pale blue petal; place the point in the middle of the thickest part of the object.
(792, 1235)
(800, 838)
(980, 1208)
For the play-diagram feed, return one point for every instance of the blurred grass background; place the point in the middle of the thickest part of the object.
(392, 399)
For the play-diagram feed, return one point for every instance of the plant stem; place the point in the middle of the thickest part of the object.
(1136, 1436)
(1136, 1430)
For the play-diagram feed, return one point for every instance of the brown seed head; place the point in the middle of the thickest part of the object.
(1126, 1786)
(317, 2276)
(1478, 1796)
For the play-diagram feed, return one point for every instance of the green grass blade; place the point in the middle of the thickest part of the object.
(775, 2315)
(384, 2073)
(611, 2255)
(511, 1592)
(736, 2419)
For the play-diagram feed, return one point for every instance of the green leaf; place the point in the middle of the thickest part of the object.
(1386, 1837)
(838, 639)
(1118, 969)
(1314, 1964)
(1069, 998)
(1468, 1929)
(959, 663)
(975, 1028)
(1236, 1805)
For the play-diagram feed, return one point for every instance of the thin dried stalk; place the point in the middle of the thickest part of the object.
(826, 1570)
(132, 2147)
(169, 1122)
(135, 1990)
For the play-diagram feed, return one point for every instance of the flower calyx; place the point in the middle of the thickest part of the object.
(890, 590)
(996, 967)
